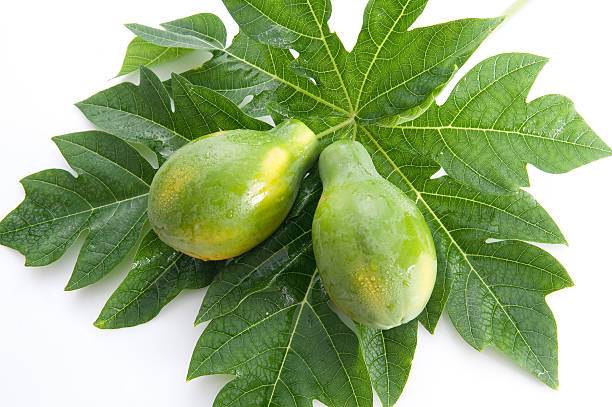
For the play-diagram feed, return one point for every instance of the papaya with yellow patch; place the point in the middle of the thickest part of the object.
(223, 194)
(372, 246)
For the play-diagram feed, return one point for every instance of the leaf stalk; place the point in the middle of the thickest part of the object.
(514, 8)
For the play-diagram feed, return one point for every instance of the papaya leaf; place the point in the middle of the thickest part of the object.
(485, 133)
(139, 52)
(108, 199)
(388, 354)
(143, 113)
(262, 68)
(327, 87)
(206, 27)
(495, 291)
(158, 274)
(287, 347)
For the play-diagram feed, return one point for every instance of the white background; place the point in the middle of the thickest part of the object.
(57, 53)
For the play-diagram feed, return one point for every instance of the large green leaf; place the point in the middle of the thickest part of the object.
(286, 347)
(143, 113)
(207, 28)
(388, 355)
(495, 290)
(108, 199)
(139, 52)
(261, 68)
(390, 71)
(485, 133)
(159, 273)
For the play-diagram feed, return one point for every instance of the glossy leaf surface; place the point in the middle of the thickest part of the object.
(158, 274)
(108, 199)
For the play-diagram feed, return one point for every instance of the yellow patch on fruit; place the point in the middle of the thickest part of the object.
(173, 186)
(421, 278)
(371, 287)
(304, 139)
(215, 234)
(274, 164)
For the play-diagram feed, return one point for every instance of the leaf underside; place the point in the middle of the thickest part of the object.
(271, 323)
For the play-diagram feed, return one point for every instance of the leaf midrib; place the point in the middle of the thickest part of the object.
(378, 49)
(76, 284)
(92, 209)
(135, 115)
(520, 263)
(103, 322)
(501, 131)
(331, 58)
(404, 82)
(535, 225)
(250, 273)
(292, 335)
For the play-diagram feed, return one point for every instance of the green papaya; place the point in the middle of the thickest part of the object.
(222, 194)
(372, 246)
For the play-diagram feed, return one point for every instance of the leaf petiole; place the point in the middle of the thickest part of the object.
(516, 6)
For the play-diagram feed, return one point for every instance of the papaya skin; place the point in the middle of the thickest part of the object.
(222, 194)
(373, 248)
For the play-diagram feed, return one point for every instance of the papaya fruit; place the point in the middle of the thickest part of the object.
(222, 194)
(372, 246)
